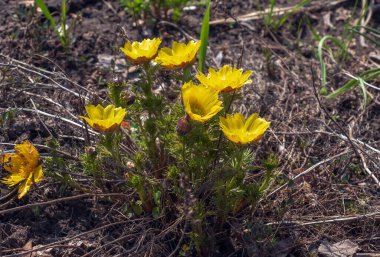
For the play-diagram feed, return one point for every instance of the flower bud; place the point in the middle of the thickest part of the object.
(183, 126)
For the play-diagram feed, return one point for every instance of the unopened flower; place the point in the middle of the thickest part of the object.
(140, 52)
(104, 119)
(226, 79)
(24, 166)
(183, 126)
(201, 103)
(242, 131)
(179, 56)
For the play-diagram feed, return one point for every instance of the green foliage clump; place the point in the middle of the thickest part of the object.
(170, 151)
(64, 30)
(158, 8)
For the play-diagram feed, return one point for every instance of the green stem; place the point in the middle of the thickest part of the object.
(111, 140)
(187, 171)
(154, 109)
(139, 123)
(227, 102)
(147, 87)
(186, 74)
(63, 25)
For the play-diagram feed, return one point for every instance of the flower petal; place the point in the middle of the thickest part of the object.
(242, 131)
(140, 52)
(179, 56)
(107, 119)
(200, 103)
(24, 188)
(38, 175)
(94, 112)
(225, 79)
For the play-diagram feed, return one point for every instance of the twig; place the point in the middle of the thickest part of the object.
(49, 115)
(308, 170)
(187, 35)
(70, 198)
(332, 219)
(50, 149)
(358, 79)
(181, 239)
(368, 170)
(39, 117)
(354, 147)
(66, 240)
(6, 198)
(331, 134)
(48, 100)
(60, 75)
(42, 75)
(92, 253)
(275, 12)
(365, 21)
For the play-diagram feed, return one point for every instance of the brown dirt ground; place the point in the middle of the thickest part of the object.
(336, 195)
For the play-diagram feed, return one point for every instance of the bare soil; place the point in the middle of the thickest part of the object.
(332, 145)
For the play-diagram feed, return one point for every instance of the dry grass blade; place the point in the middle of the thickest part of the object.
(308, 171)
(275, 12)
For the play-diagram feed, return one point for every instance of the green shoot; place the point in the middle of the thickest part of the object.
(322, 62)
(367, 31)
(204, 38)
(363, 77)
(286, 16)
(274, 22)
(62, 35)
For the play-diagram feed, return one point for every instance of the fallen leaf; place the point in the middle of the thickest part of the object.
(27, 247)
(345, 248)
(283, 247)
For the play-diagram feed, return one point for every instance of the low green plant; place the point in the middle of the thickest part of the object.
(158, 8)
(364, 77)
(371, 34)
(135, 7)
(185, 157)
(367, 75)
(321, 46)
(273, 21)
(62, 31)
(179, 164)
(342, 43)
(204, 37)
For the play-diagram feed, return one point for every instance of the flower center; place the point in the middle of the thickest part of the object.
(196, 107)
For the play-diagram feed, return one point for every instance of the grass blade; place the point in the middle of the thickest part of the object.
(356, 29)
(41, 4)
(204, 38)
(268, 19)
(364, 91)
(365, 76)
(322, 62)
(288, 14)
(63, 23)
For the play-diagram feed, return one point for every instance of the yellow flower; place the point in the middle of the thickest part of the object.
(242, 131)
(24, 165)
(226, 79)
(201, 103)
(140, 52)
(104, 119)
(179, 56)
